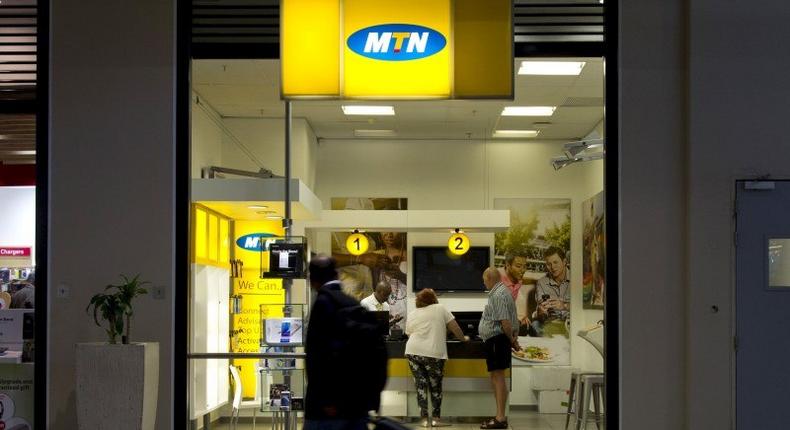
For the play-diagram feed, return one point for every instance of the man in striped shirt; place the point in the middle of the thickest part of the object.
(499, 330)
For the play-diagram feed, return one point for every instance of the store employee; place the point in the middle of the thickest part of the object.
(378, 300)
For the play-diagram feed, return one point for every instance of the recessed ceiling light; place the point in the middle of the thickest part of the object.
(374, 133)
(257, 207)
(516, 133)
(274, 217)
(368, 110)
(560, 68)
(528, 110)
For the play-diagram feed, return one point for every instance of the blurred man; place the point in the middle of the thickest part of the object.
(499, 330)
(342, 342)
(553, 291)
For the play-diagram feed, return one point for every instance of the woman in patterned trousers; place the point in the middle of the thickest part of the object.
(426, 351)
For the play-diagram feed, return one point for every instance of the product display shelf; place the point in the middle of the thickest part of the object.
(282, 380)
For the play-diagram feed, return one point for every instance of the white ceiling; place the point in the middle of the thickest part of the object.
(251, 88)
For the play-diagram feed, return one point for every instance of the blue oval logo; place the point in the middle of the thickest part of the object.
(253, 242)
(396, 42)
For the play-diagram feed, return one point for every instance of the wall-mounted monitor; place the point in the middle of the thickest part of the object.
(435, 267)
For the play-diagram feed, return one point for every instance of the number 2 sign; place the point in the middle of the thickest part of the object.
(459, 243)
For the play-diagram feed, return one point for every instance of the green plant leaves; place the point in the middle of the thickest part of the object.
(115, 304)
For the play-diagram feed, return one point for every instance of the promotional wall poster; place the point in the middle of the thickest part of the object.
(384, 261)
(369, 203)
(534, 261)
(594, 252)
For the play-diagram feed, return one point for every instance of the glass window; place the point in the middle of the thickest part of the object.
(778, 263)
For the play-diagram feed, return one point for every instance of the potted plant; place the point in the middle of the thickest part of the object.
(117, 384)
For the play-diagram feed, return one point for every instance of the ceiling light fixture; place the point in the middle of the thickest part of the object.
(257, 207)
(274, 217)
(515, 133)
(374, 133)
(368, 110)
(528, 110)
(553, 68)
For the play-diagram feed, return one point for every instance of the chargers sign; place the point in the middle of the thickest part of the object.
(397, 42)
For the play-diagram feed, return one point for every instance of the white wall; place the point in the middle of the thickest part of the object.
(112, 176)
(18, 217)
(206, 136)
(465, 175)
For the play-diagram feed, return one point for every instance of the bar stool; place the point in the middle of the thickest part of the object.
(575, 395)
(590, 387)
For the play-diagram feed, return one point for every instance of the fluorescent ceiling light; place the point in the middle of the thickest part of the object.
(528, 110)
(374, 133)
(257, 207)
(560, 68)
(14, 152)
(274, 217)
(368, 110)
(516, 133)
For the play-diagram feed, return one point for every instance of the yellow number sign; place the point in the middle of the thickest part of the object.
(357, 244)
(459, 243)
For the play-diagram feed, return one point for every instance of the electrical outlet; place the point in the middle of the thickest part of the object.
(63, 291)
(158, 292)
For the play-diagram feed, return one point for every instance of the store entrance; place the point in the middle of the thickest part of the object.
(522, 179)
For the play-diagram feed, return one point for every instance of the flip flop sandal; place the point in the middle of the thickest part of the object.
(494, 424)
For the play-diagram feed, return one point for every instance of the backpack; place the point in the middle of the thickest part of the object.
(365, 351)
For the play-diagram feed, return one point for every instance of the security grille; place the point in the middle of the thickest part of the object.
(250, 28)
(18, 32)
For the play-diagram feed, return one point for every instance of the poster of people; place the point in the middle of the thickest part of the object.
(533, 257)
(369, 203)
(594, 252)
(383, 264)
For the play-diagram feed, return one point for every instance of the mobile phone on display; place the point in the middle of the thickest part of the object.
(285, 332)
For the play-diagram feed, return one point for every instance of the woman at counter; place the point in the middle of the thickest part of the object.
(426, 351)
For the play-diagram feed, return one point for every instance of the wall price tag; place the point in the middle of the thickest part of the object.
(357, 244)
(459, 243)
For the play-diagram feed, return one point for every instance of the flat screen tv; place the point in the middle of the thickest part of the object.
(435, 267)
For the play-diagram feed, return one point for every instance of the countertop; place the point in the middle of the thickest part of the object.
(455, 349)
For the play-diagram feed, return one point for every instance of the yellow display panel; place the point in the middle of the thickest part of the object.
(255, 292)
(213, 237)
(310, 47)
(224, 240)
(201, 232)
(483, 59)
(397, 49)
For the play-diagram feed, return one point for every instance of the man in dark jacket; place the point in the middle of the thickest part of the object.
(345, 371)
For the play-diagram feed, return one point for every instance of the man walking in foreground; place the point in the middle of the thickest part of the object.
(499, 330)
(343, 342)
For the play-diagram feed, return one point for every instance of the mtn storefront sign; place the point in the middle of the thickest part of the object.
(409, 49)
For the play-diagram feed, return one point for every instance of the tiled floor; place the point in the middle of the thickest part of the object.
(526, 420)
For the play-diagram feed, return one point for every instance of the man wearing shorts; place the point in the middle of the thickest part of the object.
(499, 330)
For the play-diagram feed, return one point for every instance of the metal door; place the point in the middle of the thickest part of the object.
(762, 340)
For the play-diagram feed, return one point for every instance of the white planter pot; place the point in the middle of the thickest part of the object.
(117, 386)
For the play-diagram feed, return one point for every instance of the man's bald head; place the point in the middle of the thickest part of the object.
(382, 291)
(491, 277)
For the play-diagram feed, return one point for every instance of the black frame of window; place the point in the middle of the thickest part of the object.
(41, 108)
(609, 50)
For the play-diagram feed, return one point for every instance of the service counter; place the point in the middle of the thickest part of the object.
(466, 387)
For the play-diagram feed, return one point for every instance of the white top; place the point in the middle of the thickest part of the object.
(427, 330)
(370, 303)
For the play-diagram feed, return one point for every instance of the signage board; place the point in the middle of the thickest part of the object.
(15, 251)
(410, 49)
